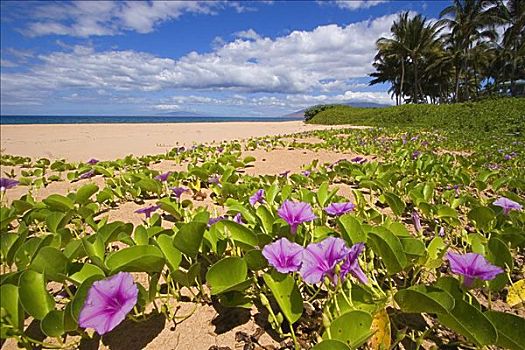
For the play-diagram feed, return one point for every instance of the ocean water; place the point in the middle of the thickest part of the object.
(32, 119)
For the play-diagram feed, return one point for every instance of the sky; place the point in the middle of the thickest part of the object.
(227, 58)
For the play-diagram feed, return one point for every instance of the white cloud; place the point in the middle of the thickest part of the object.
(248, 34)
(95, 18)
(302, 62)
(358, 4)
(167, 107)
(7, 64)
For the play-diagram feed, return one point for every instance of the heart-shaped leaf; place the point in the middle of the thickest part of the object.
(189, 238)
(286, 292)
(140, 258)
(227, 274)
(34, 297)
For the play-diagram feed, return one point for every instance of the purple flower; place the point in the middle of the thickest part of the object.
(258, 197)
(238, 219)
(351, 264)
(414, 138)
(284, 255)
(417, 221)
(507, 205)
(147, 210)
(359, 160)
(472, 266)
(92, 161)
(415, 154)
(6, 183)
(87, 174)
(178, 191)
(163, 177)
(337, 209)
(306, 173)
(441, 232)
(295, 213)
(214, 179)
(404, 139)
(320, 259)
(213, 221)
(108, 302)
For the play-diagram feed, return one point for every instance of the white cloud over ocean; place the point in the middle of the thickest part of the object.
(301, 63)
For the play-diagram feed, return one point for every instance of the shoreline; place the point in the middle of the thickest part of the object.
(80, 142)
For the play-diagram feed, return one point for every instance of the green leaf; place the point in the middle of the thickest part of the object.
(499, 254)
(227, 274)
(423, 299)
(87, 271)
(59, 202)
(464, 318)
(266, 218)
(10, 302)
(85, 192)
(322, 194)
(149, 185)
(352, 328)
(446, 212)
(53, 220)
(510, 329)
(189, 238)
(255, 260)
(483, 218)
(240, 233)
(395, 203)
(351, 228)
(34, 297)
(389, 248)
(331, 344)
(51, 262)
(286, 292)
(140, 258)
(53, 323)
(173, 255)
(413, 246)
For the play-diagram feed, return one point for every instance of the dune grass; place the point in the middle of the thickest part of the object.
(503, 115)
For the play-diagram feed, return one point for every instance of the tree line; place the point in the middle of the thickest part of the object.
(475, 49)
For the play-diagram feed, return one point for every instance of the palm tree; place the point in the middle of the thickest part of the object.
(470, 24)
(511, 15)
(412, 40)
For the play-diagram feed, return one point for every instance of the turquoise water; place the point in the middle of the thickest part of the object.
(18, 119)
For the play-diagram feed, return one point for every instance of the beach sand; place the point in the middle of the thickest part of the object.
(207, 328)
(80, 142)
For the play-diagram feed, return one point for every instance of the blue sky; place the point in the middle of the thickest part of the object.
(264, 58)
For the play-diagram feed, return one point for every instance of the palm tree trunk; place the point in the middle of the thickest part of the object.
(402, 79)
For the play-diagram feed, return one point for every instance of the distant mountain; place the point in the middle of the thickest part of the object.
(181, 114)
(300, 113)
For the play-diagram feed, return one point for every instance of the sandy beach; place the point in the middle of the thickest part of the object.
(79, 142)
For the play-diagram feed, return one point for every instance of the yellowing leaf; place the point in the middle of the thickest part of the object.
(516, 296)
(381, 339)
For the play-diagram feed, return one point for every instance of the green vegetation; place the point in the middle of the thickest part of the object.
(503, 115)
(398, 176)
(459, 58)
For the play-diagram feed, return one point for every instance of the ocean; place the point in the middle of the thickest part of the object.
(33, 119)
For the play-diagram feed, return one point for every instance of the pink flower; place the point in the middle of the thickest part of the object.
(284, 255)
(295, 213)
(108, 302)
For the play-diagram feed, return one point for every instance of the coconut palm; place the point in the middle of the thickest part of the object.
(470, 24)
(412, 40)
(511, 16)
